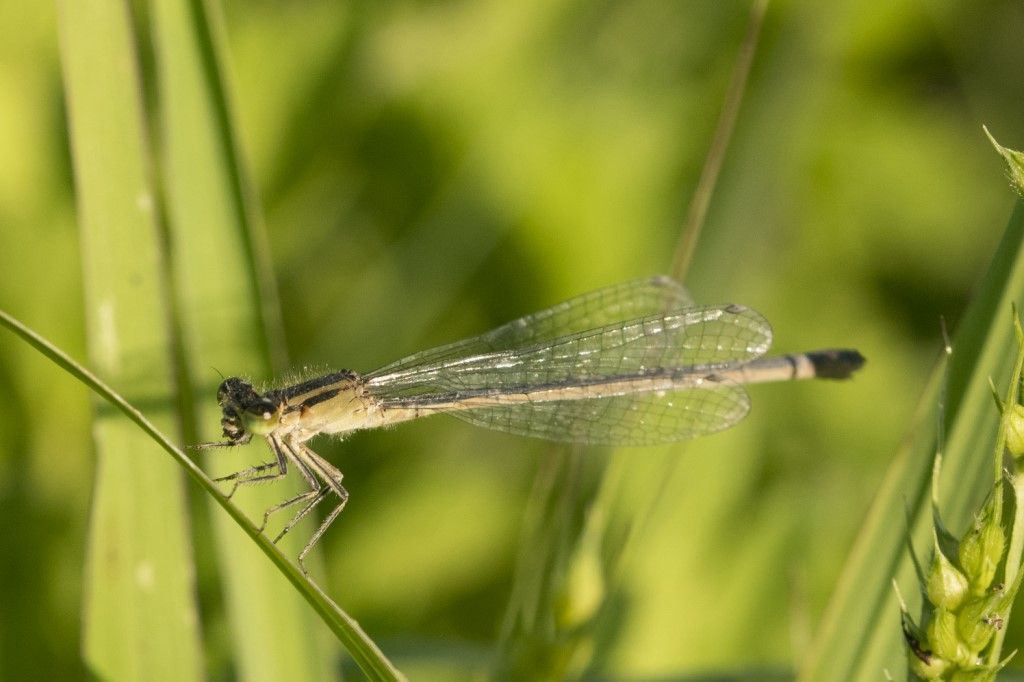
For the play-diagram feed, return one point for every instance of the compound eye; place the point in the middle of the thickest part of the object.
(235, 391)
(223, 391)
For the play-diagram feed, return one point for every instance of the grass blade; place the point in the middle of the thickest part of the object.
(140, 618)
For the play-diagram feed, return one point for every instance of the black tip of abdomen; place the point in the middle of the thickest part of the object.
(836, 364)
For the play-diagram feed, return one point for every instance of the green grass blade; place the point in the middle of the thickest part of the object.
(363, 650)
(140, 618)
(859, 635)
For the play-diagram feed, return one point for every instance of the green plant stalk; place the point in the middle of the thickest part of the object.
(1016, 547)
(1014, 556)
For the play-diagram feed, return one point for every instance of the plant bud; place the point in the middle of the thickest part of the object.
(925, 664)
(944, 640)
(982, 673)
(977, 622)
(1014, 161)
(947, 586)
(981, 551)
(928, 666)
(584, 589)
(1015, 430)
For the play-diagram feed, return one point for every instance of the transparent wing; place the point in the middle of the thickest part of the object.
(639, 419)
(696, 340)
(607, 370)
(625, 301)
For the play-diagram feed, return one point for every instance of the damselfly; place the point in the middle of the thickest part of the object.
(634, 364)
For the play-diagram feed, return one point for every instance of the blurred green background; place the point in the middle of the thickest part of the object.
(429, 170)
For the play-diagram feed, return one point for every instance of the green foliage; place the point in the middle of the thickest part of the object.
(429, 170)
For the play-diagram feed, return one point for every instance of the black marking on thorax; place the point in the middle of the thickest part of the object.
(290, 392)
(314, 400)
(318, 387)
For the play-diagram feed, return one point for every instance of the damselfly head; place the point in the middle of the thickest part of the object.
(245, 410)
